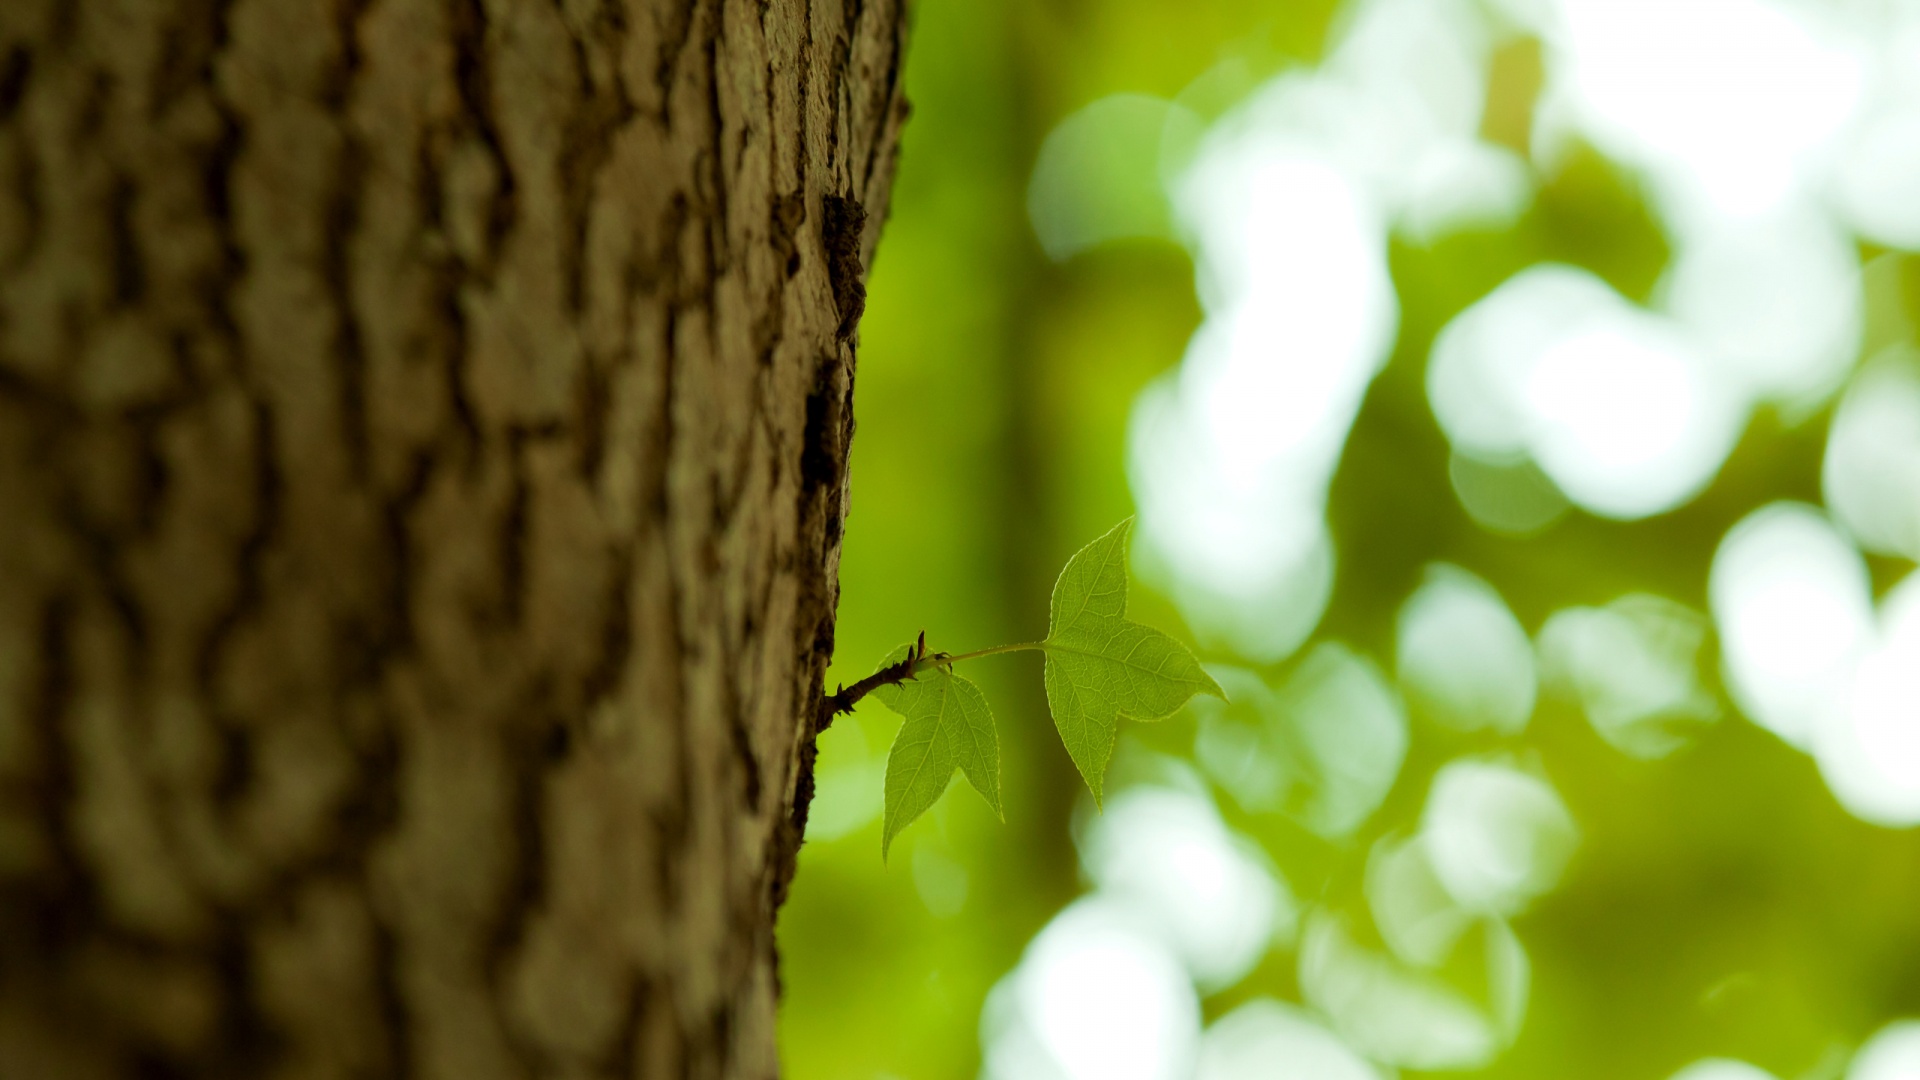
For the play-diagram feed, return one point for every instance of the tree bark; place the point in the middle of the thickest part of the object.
(423, 429)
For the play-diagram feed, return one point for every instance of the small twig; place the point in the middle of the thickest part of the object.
(844, 699)
(918, 660)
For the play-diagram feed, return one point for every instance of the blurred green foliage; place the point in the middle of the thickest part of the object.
(1720, 902)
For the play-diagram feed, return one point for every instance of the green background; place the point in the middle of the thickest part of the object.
(1720, 902)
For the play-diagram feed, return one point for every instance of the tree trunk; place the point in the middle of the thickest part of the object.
(423, 428)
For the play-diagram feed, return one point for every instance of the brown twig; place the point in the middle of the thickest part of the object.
(918, 660)
(844, 699)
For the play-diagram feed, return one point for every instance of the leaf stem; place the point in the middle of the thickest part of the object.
(944, 658)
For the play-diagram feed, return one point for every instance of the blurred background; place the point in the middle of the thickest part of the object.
(1520, 403)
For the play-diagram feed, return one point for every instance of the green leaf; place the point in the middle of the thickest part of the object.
(1101, 666)
(948, 725)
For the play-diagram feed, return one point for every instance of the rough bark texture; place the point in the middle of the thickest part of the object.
(423, 428)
